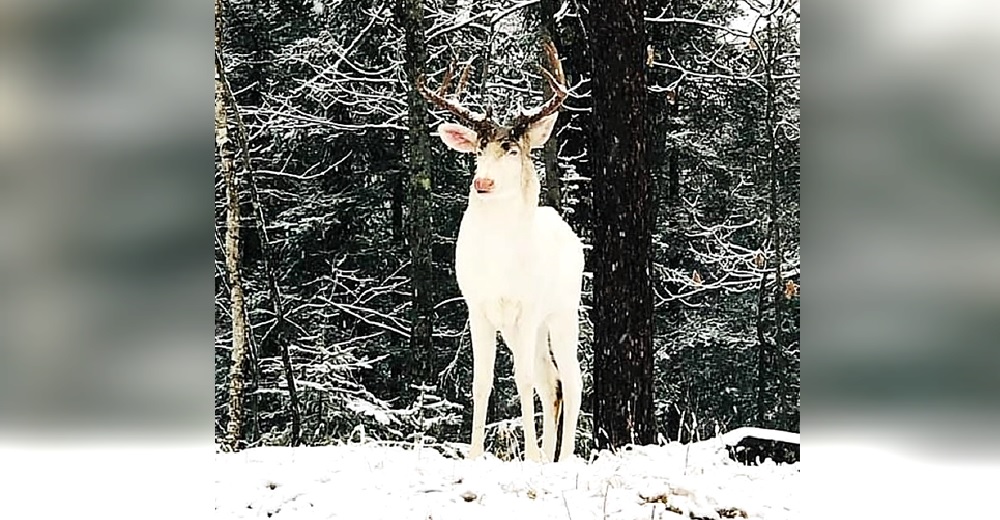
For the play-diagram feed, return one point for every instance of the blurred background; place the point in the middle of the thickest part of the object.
(105, 149)
(106, 302)
(900, 236)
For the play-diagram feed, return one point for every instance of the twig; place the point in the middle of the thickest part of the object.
(604, 508)
(566, 504)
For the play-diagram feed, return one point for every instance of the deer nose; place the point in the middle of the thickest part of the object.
(482, 184)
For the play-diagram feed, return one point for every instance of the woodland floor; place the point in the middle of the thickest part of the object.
(375, 481)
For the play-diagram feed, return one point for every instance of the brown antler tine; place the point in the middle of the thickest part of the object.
(556, 80)
(557, 86)
(463, 79)
(446, 81)
(422, 89)
(482, 124)
(553, 55)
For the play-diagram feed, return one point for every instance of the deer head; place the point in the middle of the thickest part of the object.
(503, 153)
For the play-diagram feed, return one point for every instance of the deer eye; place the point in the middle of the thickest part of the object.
(512, 150)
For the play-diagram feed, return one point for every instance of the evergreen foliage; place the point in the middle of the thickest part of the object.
(321, 87)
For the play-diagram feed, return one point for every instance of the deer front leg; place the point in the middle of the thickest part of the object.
(522, 347)
(484, 349)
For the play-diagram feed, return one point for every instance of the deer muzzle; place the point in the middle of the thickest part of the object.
(482, 184)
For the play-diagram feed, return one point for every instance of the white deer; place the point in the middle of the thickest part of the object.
(519, 268)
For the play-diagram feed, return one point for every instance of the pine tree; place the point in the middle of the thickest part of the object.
(623, 225)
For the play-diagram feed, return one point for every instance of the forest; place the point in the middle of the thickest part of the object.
(337, 313)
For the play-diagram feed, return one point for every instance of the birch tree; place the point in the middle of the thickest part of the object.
(224, 146)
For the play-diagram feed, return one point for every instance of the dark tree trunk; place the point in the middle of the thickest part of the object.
(664, 164)
(420, 226)
(623, 224)
(674, 308)
(574, 123)
(775, 228)
(398, 189)
(550, 153)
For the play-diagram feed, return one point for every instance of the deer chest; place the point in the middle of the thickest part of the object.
(503, 272)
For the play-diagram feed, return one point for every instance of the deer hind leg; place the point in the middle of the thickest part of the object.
(564, 329)
(484, 349)
(546, 384)
(521, 341)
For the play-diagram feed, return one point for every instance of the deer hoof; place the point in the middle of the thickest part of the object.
(475, 452)
(534, 455)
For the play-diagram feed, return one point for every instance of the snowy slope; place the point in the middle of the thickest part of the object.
(374, 481)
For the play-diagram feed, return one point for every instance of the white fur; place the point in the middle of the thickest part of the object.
(520, 270)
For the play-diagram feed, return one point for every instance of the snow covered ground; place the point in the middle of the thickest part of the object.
(377, 481)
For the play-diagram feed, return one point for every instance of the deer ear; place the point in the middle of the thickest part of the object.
(458, 137)
(539, 131)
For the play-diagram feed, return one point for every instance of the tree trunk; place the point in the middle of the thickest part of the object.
(277, 300)
(420, 226)
(761, 352)
(775, 234)
(574, 130)
(764, 357)
(550, 153)
(397, 180)
(623, 224)
(674, 308)
(234, 434)
(665, 158)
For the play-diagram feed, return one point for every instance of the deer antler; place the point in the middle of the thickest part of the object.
(481, 123)
(557, 81)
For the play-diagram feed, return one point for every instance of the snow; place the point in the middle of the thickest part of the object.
(735, 436)
(367, 408)
(380, 481)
